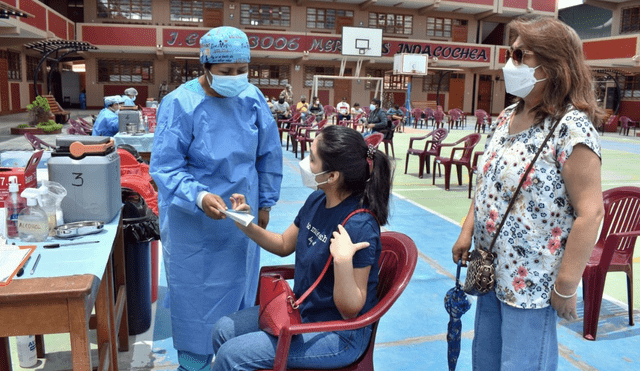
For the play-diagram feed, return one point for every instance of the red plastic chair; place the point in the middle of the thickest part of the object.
(429, 115)
(307, 135)
(613, 252)
(294, 132)
(454, 118)
(474, 169)
(285, 124)
(431, 148)
(627, 124)
(482, 119)
(397, 263)
(388, 138)
(37, 143)
(329, 112)
(438, 118)
(416, 115)
(468, 143)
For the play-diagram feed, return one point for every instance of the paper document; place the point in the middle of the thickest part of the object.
(238, 216)
(11, 258)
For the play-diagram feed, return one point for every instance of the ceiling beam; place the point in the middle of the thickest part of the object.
(368, 3)
(483, 15)
(425, 9)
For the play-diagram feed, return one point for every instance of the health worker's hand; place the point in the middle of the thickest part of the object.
(263, 218)
(342, 249)
(211, 205)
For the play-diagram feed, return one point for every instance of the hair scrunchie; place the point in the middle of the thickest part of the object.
(370, 153)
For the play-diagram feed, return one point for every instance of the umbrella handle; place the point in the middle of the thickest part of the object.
(458, 273)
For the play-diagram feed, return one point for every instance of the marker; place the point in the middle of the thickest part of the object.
(21, 271)
(35, 265)
(54, 245)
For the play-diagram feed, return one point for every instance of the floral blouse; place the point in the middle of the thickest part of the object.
(531, 243)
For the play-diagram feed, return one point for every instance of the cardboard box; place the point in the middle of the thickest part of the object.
(27, 176)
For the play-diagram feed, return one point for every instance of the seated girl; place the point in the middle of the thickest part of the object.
(350, 175)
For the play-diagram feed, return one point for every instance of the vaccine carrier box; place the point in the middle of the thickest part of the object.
(88, 167)
(128, 116)
(26, 176)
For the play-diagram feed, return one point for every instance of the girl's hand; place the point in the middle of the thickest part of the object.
(342, 249)
(239, 203)
(565, 307)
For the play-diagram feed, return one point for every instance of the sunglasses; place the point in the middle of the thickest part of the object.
(517, 54)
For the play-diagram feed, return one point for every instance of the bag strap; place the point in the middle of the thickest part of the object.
(522, 180)
(326, 266)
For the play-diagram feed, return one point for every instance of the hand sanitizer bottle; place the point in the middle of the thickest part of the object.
(33, 222)
(14, 205)
(26, 350)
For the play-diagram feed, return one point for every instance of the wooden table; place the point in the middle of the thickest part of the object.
(47, 305)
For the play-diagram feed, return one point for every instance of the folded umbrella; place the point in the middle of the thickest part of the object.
(456, 304)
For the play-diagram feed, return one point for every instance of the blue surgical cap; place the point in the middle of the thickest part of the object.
(224, 45)
(112, 99)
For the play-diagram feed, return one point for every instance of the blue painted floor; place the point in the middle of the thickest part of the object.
(412, 335)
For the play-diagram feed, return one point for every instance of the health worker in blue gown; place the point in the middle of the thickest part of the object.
(215, 137)
(107, 123)
(129, 97)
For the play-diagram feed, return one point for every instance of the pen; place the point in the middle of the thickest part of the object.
(54, 245)
(21, 271)
(35, 265)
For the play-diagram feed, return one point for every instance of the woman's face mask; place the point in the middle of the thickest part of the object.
(372, 107)
(519, 80)
(228, 86)
(308, 177)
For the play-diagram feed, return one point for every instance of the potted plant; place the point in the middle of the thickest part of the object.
(41, 119)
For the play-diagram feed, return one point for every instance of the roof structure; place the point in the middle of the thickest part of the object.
(49, 46)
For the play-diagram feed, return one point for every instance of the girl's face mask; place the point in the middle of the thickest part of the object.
(372, 107)
(308, 177)
(519, 80)
(228, 86)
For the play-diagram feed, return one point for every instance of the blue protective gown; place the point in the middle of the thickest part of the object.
(223, 146)
(128, 101)
(107, 123)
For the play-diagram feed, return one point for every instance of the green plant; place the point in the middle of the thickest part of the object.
(49, 126)
(39, 111)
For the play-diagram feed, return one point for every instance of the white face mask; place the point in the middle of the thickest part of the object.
(308, 177)
(519, 80)
(228, 86)
(372, 107)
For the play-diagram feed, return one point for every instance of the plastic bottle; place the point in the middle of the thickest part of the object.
(27, 350)
(51, 195)
(14, 205)
(33, 222)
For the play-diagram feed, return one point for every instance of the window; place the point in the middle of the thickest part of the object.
(13, 61)
(430, 82)
(183, 70)
(396, 82)
(125, 9)
(265, 75)
(443, 27)
(325, 18)
(32, 63)
(123, 70)
(265, 15)
(372, 84)
(630, 20)
(191, 10)
(310, 71)
(631, 87)
(392, 23)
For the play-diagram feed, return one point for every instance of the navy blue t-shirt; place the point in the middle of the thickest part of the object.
(317, 224)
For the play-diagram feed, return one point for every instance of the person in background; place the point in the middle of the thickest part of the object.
(270, 104)
(282, 109)
(129, 97)
(551, 230)
(349, 175)
(83, 99)
(302, 107)
(343, 109)
(396, 114)
(356, 111)
(377, 120)
(316, 109)
(107, 123)
(215, 137)
(287, 94)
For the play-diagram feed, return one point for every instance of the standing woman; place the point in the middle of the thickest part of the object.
(349, 175)
(549, 233)
(215, 137)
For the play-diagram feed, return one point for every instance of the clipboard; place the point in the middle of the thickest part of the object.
(24, 260)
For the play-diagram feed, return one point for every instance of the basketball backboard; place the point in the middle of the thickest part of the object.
(362, 41)
(410, 64)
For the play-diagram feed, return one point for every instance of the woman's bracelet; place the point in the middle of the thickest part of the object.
(564, 296)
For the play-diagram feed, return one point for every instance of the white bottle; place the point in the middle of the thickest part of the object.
(14, 205)
(27, 350)
(33, 222)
